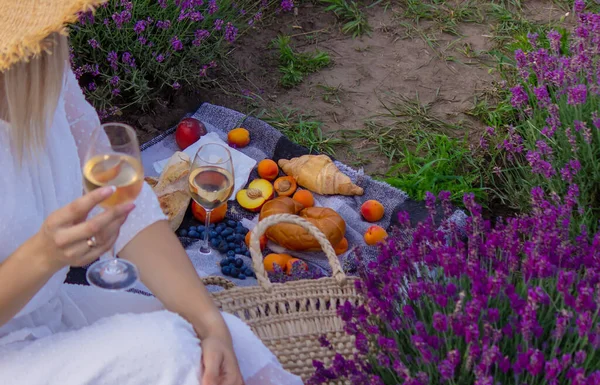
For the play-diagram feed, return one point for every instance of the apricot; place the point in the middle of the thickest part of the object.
(285, 186)
(254, 197)
(341, 247)
(263, 240)
(305, 197)
(374, 235)
(268, 169)
(238, 137)
(217, 215)
(372, 211)
(289, 266)
(276, 259)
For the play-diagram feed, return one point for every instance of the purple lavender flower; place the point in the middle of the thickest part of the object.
(114, 81)
(140, 26)
(230, 33)
(543, 97)
(519, 96)
(577, 94)
(113, 60)
(128, 59)
(166, 24)
(287, 5)
(212, 7)
(199, 36)
(162, 3)
(121, 18)
(176, 85)
(554, 38)
(160, 58)
(93, 43)
(115, 91)
(218, 24)
(142, 40)
(578, 6)
(176, 43)
(92, 86)
(440, 322)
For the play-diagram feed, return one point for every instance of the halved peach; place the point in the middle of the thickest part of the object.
(254, 197)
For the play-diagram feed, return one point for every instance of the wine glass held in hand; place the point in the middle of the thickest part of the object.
(211, 182)
(113, 159)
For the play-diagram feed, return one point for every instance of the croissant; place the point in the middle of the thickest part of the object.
(319, 174)
(171, 188)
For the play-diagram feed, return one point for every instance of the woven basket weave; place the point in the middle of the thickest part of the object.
(290, 317)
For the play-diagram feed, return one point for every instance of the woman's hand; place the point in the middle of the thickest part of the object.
(219, 363)
(64, 239)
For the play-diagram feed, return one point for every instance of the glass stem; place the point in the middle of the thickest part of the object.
(207, 230)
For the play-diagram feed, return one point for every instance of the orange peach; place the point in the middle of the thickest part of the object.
(341, 247)
(305, 197)
(372, 211)
(276, 259)
(289, 266)
(268, 169)
(254, 197)
(263, 240)
(374, 235)
(238, 137)
(217, 215)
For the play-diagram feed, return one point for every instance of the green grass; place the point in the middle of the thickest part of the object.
(331, 94)
(437, 163)
(304, 130)
(354, 19)
(294, 66)
(446, 16)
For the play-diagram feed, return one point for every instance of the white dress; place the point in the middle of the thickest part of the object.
(72, 335)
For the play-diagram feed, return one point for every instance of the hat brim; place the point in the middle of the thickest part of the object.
(26, 25)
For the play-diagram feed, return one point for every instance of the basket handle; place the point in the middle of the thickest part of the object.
(261, 228)
(218, 281)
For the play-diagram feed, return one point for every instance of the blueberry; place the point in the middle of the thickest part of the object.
(248, 271)
(232, 246)
(244, 231)
(247, 253)
(194, 234)
(183, 233)
(231, 260)
(218, 230)
(222, 247)
(238, 237)
(238, 250)
(241, 276)
(212, 226)
(239, 262)
(225, 262)
(227, 231)
(212, 234)
(235, 272)
(243, 248)
(200, 228)
(214, 243)
(230, 238)
(230, 253)
(231, 223)
(226, 270)
(193, 228)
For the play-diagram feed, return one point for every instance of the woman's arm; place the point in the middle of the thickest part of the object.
(167, 271)
(60, 242)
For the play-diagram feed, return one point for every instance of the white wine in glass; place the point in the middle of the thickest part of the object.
(211, 182)
(113, 159)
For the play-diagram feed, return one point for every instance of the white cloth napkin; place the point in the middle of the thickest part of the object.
(242, 164)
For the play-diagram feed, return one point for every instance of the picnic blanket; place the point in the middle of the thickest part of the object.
(267, 142)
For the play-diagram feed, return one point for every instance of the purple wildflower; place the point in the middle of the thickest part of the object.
(519, 96)
(140, 26)
(577, 94)
(543, 97)
(218, 24)
(176, 43)
(128, 59)
(160, 58)
(93, 43)
(440, 322)
(115, 92)
(554, 38)
(113, 60)
(578, 6)
(212, 7)
(199, 36)
(92, 86)
(162, 3)
(230, 33)
(163, 24)
(114, 81)
(287, 5)
(176, 85)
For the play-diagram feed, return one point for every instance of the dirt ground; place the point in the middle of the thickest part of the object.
(400, 59)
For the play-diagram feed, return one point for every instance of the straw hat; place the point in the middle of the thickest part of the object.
(25, 25)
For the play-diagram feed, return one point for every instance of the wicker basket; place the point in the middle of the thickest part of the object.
(290, 317)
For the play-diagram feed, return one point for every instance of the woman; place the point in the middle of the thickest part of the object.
(51, 333)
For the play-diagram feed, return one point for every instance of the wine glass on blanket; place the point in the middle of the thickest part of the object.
(211, 182)
(113, 159)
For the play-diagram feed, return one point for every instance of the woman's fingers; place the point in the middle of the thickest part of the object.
(93, 226)
(79, 208)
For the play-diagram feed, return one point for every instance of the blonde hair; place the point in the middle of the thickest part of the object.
(29, 93)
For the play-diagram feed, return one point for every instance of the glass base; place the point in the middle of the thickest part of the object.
(112, 274)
